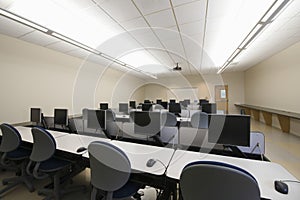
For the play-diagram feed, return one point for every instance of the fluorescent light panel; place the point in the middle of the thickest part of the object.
(267, 18)
(22, 20)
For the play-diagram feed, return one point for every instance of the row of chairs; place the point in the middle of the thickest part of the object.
(110, 170)
(40, 162)
(110, 167)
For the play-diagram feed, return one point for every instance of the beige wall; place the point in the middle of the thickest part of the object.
(274, 83)
(34, 76)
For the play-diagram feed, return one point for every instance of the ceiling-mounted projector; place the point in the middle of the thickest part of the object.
(177, 68)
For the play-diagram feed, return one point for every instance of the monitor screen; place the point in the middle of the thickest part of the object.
(35, 115)
(61, 116)
(146, 106)
(158, 101)
(103, 106)
(187, 102)
(123, 107)
(172, 100)
(229, 130)
(96, 119)
(146, 123)
(132, 104)
(164, 104)
(203, 101)
(209, 108)
(175, 108)
(147, 101)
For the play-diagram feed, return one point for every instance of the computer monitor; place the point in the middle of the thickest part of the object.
(35, 115)
(146, 106)
(187, 102)
(175, 108)
(123, 107)
(146, 123)
(61, 117)
(229, 129)
(96, 119)
(164, 104)
(203, 101)
(158, 101)
(132, 104)
(172, 101)
(147, 101)
(103, 106)
(210, 108)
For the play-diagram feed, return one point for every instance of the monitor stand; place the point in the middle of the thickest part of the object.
(235, 151)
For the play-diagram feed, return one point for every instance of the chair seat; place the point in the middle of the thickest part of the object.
(53, 165)
(129, 189)
(18, 154)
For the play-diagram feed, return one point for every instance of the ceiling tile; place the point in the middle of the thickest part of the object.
(39, 38)
(166, 34)
(5, 3)
(192, 28)
(12, 28)
(62, 47)
(119, 45)
(190, 12)
(146, 37)
(121, 10)
(150, 6)
(80, 53)
(134, 24)
(161, 19)
(180, 2)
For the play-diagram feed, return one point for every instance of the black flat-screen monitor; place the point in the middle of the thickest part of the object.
(203, 101)
(132, 104)
(175, 108)
(187, 102)
(172, 101)
(147, 101)
(164, 104)
(210, 108)
(147, 123)
(123, 107)
(229, 130)
(146, 106)
(103, 106)
(35, 115)
(158, 101)
(96, 119)
(61, 117)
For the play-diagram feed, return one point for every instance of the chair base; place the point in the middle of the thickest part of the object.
(14, 181)
(58, 190)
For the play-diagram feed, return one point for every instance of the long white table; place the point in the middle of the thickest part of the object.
(26, 134)
(264, 172)
(174, 161)
(138, 154)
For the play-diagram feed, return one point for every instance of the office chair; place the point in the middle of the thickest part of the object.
(168, 119)
(215, 180)
(199, 120)
(14, 156)
(110, 172)
(44, 164)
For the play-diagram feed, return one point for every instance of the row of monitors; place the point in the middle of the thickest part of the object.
(60, 116)
(223, 129)
(173, 107)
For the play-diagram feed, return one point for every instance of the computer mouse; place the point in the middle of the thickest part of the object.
(81, 149)
(150, 162)
(281, 187)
